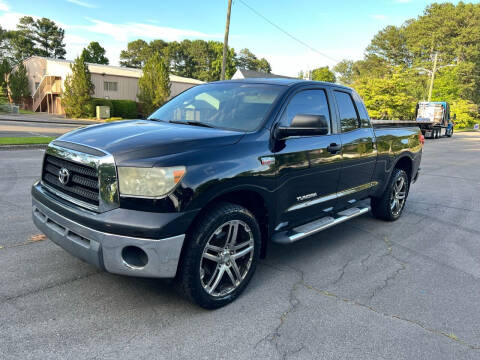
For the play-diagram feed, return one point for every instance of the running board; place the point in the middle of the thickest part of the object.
(300, 232)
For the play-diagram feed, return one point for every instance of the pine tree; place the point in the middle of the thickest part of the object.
(18, 84)
(5, 69)
(77, 96)
(95, 53)
(154, 84)
(39, 37)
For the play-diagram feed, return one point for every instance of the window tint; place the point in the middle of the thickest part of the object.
(362, 110)
(348, 116)
(236, 106)
(308, 102)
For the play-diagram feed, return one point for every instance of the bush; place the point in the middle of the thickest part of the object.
(126, 109)
(466, 111)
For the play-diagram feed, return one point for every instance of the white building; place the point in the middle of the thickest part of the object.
(46, 79)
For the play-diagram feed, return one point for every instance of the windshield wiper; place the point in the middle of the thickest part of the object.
(189, 122)
(155, 119)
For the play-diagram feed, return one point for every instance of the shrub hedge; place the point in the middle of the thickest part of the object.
(126, 109)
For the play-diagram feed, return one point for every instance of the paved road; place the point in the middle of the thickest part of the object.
(38, 124)
(365, 289)
(22, 129)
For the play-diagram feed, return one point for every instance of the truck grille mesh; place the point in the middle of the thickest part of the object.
(83, 182)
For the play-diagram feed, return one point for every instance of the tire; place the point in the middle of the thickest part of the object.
(382, 207)
(213, 276)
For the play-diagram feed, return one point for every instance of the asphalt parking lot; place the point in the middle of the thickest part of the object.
(365, 289)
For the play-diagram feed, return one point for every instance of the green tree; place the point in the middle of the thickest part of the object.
(154, 84)
(388, 97)
(18, 83)
(248, 60)
(43, 34)
(136, 55)
(77, 96)
(323, 74)
(466, 113)
(5, 70)
(390, 44)
(94, 53)
(216, 49)
(264, 66)
(345, 71)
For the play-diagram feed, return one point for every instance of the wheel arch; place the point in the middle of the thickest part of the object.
(251, 199)
(404, 163)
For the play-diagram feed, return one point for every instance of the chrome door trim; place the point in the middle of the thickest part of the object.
(333, 196)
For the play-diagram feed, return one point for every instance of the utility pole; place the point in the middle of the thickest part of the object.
(432, 76)
(432, 73)
(225, 41)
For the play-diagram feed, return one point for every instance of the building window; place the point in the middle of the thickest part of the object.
(110, 86)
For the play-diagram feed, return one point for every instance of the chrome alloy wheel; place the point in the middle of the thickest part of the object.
(226, 258)
(398, 197)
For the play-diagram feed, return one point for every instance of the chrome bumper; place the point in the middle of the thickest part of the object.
(104, 250)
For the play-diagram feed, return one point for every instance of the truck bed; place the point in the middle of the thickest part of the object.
(393, 123)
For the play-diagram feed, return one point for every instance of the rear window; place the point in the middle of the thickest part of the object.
(348, 115)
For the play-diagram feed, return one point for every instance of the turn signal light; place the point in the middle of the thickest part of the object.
(421, 138)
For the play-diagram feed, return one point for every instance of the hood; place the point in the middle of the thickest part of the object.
(144, 139)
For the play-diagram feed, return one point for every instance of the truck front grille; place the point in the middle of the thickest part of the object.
(82, 183)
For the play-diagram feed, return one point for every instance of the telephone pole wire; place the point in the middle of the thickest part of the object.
(225, 41)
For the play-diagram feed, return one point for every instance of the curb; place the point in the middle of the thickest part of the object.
(23, 147)
(59, 122)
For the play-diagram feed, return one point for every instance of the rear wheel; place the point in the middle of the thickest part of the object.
(221, 256)
(392, 202)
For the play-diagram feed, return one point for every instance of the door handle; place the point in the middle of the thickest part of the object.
(334, 148)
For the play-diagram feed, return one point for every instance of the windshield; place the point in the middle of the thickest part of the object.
(232, 106)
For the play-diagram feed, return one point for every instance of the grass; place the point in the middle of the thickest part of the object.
(25, 140)
(22, 111)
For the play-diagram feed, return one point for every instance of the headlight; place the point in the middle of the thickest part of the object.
(149, 182)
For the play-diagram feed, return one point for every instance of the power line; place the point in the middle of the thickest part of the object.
(287, 33)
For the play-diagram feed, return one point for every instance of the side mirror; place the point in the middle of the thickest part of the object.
(454, 116)
(304, 125)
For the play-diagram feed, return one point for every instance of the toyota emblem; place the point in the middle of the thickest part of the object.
(63, 176)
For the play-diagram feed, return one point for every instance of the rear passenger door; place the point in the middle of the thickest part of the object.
(308, 169)
(358, 149)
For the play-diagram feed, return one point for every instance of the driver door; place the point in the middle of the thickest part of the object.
(308, 167)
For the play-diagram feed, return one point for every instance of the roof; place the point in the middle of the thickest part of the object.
(249, 74)
(286, 82)
(118, 70)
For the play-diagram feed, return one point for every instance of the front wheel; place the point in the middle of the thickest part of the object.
(220, 256)
(392, 202)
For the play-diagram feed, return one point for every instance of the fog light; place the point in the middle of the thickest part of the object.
(134, 257)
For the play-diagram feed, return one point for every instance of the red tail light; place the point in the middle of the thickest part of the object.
(421, 138)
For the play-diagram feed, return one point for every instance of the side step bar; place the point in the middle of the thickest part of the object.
(300, 232)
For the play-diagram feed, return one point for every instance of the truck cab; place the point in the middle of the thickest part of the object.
(434, 119)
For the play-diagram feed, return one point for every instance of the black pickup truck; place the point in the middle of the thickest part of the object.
(199, 189)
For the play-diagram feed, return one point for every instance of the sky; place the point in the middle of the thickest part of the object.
(339, 29)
